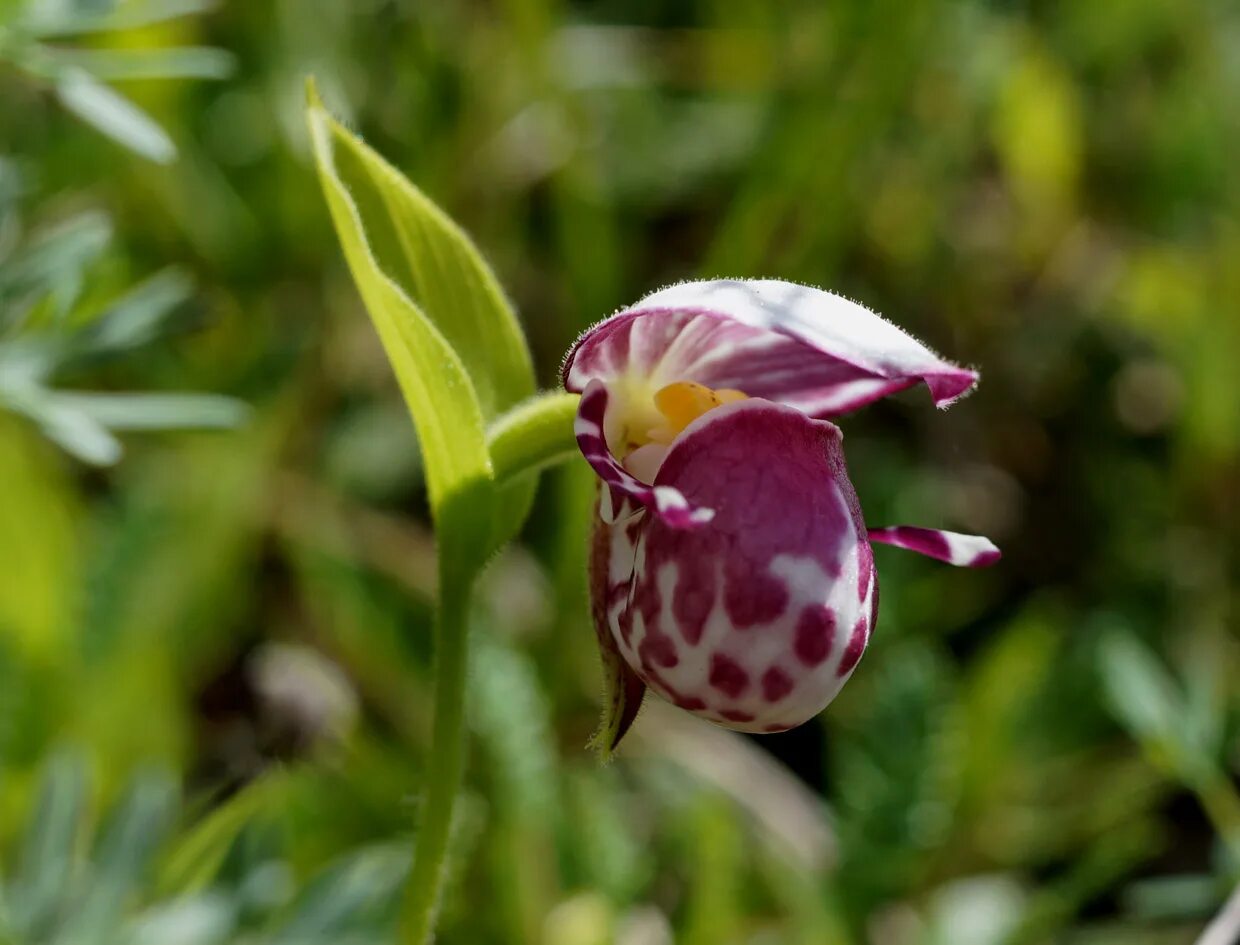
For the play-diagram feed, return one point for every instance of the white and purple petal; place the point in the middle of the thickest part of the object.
(810, 349)
(966, 551)
(756, 621)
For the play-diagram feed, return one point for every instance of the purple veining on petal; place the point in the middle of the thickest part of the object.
(666, 501)
(727, 598)
(968, 551)
(789, 343)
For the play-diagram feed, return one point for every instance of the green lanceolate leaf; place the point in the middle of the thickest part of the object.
(438, 390)
(437, 266)
(471, 349)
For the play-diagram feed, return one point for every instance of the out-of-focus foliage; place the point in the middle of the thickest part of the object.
(37, 38)
(1045, 751)
(126, 882)
(46, 332)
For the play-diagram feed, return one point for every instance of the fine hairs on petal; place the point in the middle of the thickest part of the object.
(787, 342)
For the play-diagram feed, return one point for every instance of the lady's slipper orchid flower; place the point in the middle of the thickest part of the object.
(731, 570)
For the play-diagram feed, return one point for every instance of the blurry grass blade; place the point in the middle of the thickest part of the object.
(40, 592)
(136, 317)
(130, 837)
(437, 266)
(610, 855)
(1112, 856)
(180, 62)
(1205, 698)
(1149, 703)
(44, 872)
(896, 773)
(345, 897)
(66, 19)
(51, 258)
(75, 431)
(1142, 694)
(437, 388)
(114, 115)
(1175, 896)
(791, 817)
(70, 244)
(204, 920)
(24, 366)
(156, 411)
(717, 852)
(511, 714)
(975, 910)
(194, 860)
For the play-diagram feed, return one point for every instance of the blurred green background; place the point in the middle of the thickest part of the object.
(214, 649)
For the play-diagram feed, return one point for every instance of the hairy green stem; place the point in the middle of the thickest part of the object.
(445, 763)
(533, 435)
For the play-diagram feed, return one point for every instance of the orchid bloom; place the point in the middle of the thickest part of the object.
(731, 569)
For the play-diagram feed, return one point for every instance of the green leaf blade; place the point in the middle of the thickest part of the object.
(439, 269)
(437, 388)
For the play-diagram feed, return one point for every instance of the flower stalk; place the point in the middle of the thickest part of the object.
(535, 434)
(445, 763)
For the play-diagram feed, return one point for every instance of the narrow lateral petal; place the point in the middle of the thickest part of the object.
(810, 349)
(967, 551)
(625, 494)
